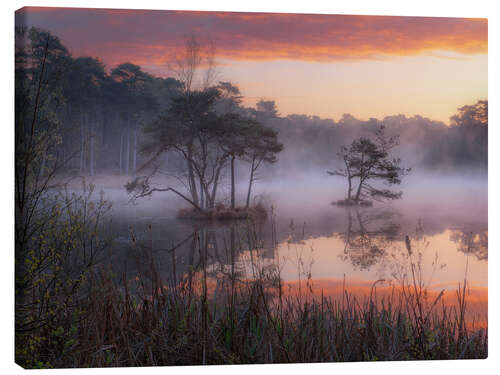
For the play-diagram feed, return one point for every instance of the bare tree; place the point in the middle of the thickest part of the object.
(187, 66)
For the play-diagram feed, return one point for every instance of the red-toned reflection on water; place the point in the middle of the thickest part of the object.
(476, 297)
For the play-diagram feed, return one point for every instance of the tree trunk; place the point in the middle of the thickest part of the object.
(358, 192)
(208, 199)
(104, 129)
(202, 197)
(121, 152)
(192, 181)
(91, 147)
(233, 198)
(134, 160)
(359, 189)
(349, 181)
(42, 166)
(214, 187)
(250, 182)
(127, 152)
(82, 135)
(361, 178)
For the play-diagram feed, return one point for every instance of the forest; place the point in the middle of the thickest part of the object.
(105, 114)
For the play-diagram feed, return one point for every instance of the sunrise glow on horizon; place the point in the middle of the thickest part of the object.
(323, 65)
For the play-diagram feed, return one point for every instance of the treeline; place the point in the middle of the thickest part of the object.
(99, 114)
(102, 114)
(311, 142)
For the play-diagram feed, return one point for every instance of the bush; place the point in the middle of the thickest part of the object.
(220, 212)
(65, 244)
(352, 202)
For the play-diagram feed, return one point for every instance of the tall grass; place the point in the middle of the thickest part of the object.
(181, 327)
(232, 319)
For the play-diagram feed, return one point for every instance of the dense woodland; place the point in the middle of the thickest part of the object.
(101, 113)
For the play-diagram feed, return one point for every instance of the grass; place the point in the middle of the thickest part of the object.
(200, 318)
(248, 324)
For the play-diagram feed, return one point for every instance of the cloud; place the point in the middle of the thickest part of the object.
(153, 37)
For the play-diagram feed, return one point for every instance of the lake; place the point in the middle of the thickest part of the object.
(440, 225)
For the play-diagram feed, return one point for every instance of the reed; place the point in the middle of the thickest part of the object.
(198, 319)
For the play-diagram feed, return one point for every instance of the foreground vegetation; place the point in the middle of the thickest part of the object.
(248, 324)
(222, 314)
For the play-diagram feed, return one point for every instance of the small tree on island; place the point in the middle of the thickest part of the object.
(367, 160)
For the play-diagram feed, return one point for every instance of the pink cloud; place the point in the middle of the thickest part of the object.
(152, 37)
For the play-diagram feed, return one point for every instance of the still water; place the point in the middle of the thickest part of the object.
(440, 226)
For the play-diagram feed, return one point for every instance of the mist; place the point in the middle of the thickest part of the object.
(161, 204)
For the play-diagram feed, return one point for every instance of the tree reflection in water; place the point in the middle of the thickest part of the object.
(374, 240)
(368, 235)
(472, 241)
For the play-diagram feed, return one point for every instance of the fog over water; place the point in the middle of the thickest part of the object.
(444, 216)
(176, 218)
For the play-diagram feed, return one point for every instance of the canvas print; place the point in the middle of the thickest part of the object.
(197, 188)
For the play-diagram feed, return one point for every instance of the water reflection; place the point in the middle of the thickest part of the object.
(363, 244)
(471, 241)
(369, 233)
(306, 250)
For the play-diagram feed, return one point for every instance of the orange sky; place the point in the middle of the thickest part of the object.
(326, 65)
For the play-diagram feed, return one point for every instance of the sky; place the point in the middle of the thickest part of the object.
(323, 65)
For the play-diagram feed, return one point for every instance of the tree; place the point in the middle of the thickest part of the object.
(205, 127)
(84, 89)
(261, 140)
(235, 128)
(191, 129)
(263, 146)
(472, 115)
(233, 144)
(267, 108)
(186, 67)
(366, 160)
(56, 240)
(136, 100)
(468, 138)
